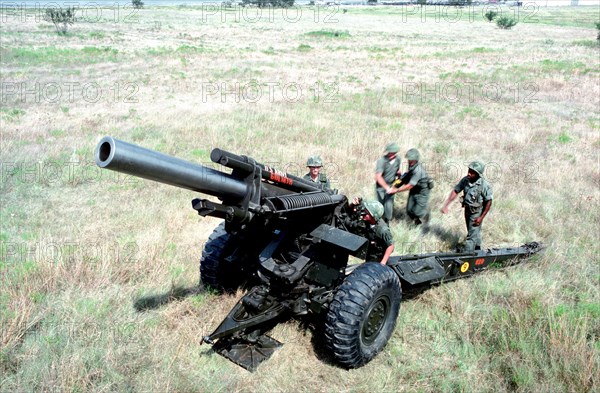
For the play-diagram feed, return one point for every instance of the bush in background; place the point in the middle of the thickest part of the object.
(490, 15)
(505, 22)
(61, 18)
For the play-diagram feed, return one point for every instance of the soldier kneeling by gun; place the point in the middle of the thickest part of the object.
(365, 220)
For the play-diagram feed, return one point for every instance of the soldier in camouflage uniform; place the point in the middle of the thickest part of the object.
(418, 184)
(314, 164)
(387, 168)
(370, 225)
(477, 201)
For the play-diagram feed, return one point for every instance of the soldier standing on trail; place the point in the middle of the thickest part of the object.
(418, 184)
(477, 200)
(369, 224)
(314, 164)
(388, 167)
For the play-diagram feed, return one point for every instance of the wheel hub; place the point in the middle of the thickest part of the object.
(375, 320)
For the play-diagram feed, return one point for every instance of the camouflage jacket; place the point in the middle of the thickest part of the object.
(388, 169)
(322, 180)
(474, 193)
(419, 179)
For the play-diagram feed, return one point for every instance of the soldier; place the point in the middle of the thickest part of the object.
(314, 164)
(388, 167)
(477, 200)
(373, 228)
(418, 184)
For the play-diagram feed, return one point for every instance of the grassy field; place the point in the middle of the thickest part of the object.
(99, 272)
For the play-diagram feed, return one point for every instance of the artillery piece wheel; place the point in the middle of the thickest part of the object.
(362, 315)
(215, 271)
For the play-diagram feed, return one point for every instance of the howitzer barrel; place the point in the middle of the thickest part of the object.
(134, 160)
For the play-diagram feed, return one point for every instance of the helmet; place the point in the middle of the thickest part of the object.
(374, 208)
(413, 155)
(478, 167)
(392, 148)
(314, 161)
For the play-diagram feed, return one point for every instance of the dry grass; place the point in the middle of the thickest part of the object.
(98, 272)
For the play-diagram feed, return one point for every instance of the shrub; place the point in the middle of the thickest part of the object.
(61, 18)
(269, 3)
(490, 15)
(598, 27)
(137, 3)
(505, 22)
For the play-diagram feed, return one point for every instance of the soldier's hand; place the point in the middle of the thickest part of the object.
(356, 201)
(477, 221)
(391, 190)
(444, 209)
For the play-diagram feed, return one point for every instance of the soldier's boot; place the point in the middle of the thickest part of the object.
(468, 246)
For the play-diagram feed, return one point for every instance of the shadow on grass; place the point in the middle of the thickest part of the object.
(445, 235)
(400, 215)
(175, 293)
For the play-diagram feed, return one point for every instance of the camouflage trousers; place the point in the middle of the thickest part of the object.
(387, 201)
(417, 204)
(473, 240)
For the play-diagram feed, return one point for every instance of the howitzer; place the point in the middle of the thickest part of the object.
(288, 242)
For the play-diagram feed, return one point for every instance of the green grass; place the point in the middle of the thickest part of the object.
(31, 56)
(182, 49)
(329, 34)
(11, 114)
(101, 293)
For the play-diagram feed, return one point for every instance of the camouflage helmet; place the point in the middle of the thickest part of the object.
(478, 167)
(392, 148)
(374, 208)
(314, 161)
(413, 155)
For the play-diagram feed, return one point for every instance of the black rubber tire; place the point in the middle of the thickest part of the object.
(362, 315)
(215, 272)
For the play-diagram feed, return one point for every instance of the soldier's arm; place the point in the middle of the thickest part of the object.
(354, 202)
(486, 209)
(386, 254)
(405, 187)
(414, 177)
(453, 194)
(449, 200)
(381, 181)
